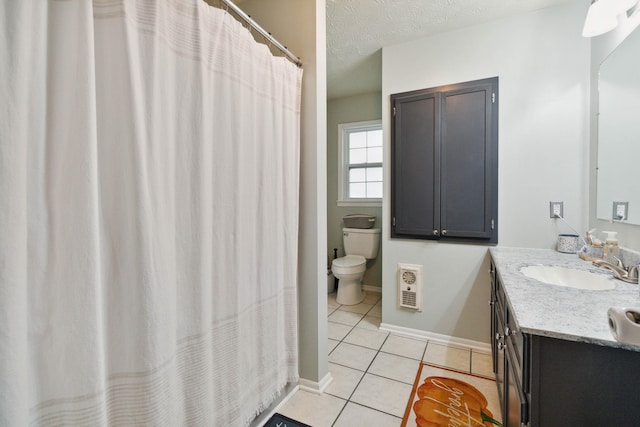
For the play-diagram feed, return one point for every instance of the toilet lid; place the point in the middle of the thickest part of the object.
(349, 261)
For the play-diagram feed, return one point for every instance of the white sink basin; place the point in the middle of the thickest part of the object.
(573, 278)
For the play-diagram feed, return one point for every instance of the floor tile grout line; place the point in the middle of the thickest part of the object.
(362, 316)
(401, 355)
(340, 413)
(352, 327)
(378, 351)
(393, 379)
(347, 334)
(424, 352)
(363, 346)
(369, 367)
(353, 391)
(346, 366)
(368, 407)
(363, 372)
(360, 381)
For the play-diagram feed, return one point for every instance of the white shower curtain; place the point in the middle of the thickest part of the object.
(148, 215)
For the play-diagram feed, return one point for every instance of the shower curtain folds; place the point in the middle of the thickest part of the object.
(149, 172)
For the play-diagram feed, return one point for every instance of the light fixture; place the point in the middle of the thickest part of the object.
(602, 16)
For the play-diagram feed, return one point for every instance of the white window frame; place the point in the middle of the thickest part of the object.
(343, 167)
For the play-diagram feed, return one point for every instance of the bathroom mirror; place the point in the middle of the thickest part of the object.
(619, 130)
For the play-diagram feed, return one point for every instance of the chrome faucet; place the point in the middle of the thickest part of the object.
(628, 274)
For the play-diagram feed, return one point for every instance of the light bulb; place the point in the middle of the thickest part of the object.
(601, 17)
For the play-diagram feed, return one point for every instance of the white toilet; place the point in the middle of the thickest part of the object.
(360, 244)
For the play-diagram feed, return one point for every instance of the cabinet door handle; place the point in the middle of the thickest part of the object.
(507, 331)
(435, 232)
(498, 336)
(500, 345)
(444, 232)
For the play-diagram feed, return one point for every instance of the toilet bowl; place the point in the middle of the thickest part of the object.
(359, 246)
(349, 270)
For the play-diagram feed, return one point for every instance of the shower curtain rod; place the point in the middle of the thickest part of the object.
(293, 58)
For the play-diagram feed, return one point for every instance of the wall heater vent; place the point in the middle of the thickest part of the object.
(410, 286)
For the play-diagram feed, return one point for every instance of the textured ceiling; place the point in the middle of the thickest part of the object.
(358, 29)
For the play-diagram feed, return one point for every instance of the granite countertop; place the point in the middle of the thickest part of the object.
(559, 311)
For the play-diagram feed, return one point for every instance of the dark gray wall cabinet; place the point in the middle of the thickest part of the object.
(444, 162)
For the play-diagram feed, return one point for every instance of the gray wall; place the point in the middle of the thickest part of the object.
(358, 108)
(601, 47)
(543, 64)
(300, 25)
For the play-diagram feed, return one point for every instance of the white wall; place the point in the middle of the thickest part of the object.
(300, 25)
(357, 108)
(543, 65)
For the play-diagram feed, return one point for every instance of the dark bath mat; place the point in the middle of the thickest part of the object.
(278, 420)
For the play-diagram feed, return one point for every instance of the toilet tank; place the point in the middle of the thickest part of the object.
(361, 241)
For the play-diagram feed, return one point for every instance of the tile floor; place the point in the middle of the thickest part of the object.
(373, 371)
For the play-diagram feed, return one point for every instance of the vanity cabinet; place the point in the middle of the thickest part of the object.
(508, 350)
(545, 381)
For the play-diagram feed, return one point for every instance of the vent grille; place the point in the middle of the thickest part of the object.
(410, 286)
(408, 299)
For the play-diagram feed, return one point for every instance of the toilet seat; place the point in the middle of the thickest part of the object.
(349, 264)
(349, 261)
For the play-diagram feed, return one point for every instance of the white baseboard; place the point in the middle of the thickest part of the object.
(370, 288)
(432, 336)
(306, 385)
(315, 387)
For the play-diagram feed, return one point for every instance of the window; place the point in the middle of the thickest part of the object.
(360, 162)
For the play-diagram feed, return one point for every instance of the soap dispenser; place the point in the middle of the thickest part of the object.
(611, 248)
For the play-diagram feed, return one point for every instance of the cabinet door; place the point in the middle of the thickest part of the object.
(515, 404)
(444, 151)
(500, 360)
(415, 165)
(468, 156)
(494, 317)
